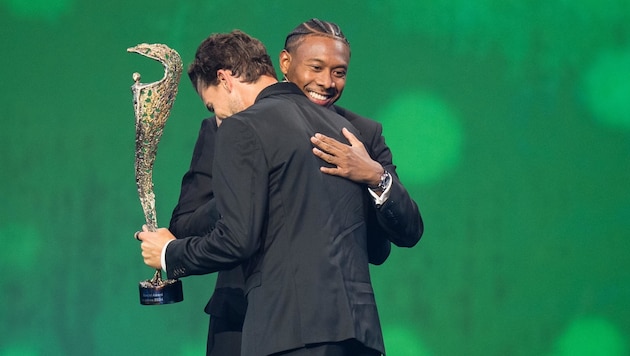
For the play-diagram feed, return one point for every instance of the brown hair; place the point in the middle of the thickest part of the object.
(236, 51)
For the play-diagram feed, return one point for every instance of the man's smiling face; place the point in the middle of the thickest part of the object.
(318, 66)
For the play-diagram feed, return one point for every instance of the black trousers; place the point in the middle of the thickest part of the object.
(224, 339)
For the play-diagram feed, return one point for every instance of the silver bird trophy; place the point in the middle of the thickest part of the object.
(152, 104)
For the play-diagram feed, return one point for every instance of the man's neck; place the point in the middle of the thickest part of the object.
(251, 90)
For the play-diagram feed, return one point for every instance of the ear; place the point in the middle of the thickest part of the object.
(224, 78)
(285, 61)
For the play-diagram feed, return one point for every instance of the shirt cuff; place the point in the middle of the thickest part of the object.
(380, 200)
(163, 255)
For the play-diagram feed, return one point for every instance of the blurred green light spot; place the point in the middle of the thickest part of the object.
(424, 135)
(591, 336)
(24, 242)
(39, 9)
(20, 350)
(607, 88)
(403, 341)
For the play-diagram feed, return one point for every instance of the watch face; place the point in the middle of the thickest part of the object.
(383, 183)
(385, 180)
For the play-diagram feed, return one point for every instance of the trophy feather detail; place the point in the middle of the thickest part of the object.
(152, 105)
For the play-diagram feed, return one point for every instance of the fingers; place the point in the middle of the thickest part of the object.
(330, 159)
(319, 141)
(137, 234)
(321, 154)
(152, 244)
(351, 137)
(332, 146)
(330, 171)
(327, 144)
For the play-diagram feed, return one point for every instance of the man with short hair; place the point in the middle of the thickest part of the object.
(316, 58)
(299, 235)
(321, 75)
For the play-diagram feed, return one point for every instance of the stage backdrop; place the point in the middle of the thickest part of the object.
(509, 122)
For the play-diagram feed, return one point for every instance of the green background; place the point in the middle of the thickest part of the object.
(509, 122)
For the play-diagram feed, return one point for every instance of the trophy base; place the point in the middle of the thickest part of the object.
(161, 292)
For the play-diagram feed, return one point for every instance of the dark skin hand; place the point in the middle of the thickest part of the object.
(352, 161)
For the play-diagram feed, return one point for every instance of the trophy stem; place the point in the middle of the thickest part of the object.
(157, 277)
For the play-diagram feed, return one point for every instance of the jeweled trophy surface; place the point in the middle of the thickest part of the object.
(152, 104)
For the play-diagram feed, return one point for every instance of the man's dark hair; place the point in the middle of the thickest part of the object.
(236, 51)
(313, 27)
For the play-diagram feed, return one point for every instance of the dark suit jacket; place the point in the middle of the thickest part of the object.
(300, 234)
(399, 218)
(196, 214)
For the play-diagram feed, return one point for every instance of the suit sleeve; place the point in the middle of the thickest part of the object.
(196, 213)
(241, 181)
(399, 218)
(378, 245)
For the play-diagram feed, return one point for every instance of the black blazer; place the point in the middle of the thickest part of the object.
(398, 220)
(300, 234)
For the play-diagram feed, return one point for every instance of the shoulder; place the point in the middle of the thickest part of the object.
(209, 124)
(251, 122)
(237, 137)
(362, 123)
(235, 127)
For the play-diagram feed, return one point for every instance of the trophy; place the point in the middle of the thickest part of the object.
(152, 104)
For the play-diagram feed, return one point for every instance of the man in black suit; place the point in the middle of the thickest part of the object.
(300, 235)
(321, 75)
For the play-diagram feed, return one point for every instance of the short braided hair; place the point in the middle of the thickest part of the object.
(313, 27)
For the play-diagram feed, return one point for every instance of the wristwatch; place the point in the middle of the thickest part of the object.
(382, 185)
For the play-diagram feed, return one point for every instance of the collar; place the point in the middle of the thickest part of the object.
(278, 89)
